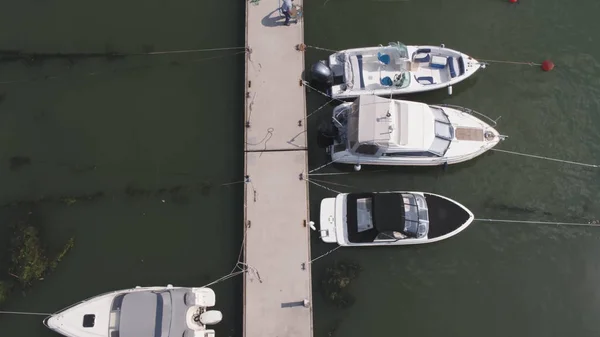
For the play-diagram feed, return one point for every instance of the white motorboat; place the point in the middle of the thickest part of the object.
(142, 311)
(394, 69)
(391, 218)
(379, 131)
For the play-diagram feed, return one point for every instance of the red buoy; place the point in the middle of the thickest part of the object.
(547, 65)
(513, 1)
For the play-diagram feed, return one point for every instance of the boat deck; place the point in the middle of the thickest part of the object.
(277, 296)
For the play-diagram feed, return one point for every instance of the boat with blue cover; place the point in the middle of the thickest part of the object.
(394, 69)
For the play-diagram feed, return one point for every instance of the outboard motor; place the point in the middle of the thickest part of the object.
(321, 74)
(327, 134)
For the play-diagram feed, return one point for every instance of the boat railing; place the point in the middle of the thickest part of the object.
(471, 112)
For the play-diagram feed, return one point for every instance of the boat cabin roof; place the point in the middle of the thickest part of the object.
(394, 124)
(385, 214)
(152, 314)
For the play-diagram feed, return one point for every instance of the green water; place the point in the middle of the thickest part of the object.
(156, 135)
(147, 129)
(493, 279)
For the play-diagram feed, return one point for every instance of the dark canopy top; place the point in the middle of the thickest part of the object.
(387, 211)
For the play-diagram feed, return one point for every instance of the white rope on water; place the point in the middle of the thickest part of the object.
(321, 107)
(331, 183)
(323, 255)
(325, 165)
(323, 49)
(306, 84)
(240, 267)
(509, 62)
(25, 313)
(113, 71)
(546, 158)
(190, 51)
(345, 173)
(323, 187)
(541, 222)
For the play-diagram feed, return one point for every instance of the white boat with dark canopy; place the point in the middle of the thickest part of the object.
(391, 218)
(394, 69)
(380, 131)
(140, 312)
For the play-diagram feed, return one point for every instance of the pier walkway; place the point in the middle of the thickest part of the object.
(277, 290)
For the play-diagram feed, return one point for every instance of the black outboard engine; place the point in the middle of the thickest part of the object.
(321, 74)
(327, 134)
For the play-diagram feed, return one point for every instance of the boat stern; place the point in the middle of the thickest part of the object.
(328, 75)
(327, 228)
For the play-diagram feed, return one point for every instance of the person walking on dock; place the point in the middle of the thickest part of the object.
(286, 8)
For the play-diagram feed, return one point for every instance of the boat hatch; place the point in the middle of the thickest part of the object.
(89, 320)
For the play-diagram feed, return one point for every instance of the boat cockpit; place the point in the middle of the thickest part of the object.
(377, 217)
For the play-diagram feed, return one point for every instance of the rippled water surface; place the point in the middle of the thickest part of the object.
(155, 138)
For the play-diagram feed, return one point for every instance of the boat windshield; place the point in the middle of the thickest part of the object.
(351, 132)
(444, 132)
(400, 49)
(416, 218)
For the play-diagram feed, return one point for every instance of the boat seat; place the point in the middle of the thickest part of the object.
(423, 50)
(422, 58)
(383, 58)
(451, 66)
(438, 62)
(203, 297)
(113, 320)
(387, 81)
(425, 80)
(461, 66)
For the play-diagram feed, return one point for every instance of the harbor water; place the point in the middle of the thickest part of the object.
(139, 158)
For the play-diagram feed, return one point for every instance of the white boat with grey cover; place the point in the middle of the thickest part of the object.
(140, 312)
(379, 131)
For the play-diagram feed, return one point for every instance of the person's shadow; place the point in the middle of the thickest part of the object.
(273, 19)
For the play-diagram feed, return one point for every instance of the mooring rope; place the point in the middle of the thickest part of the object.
(345, 173)
(331, 183)
(546, 158)
(185, 51)
(25, 313)
(323, 187)
(321, 107)
(306, 84)
(323, 49)
(509, 62)
(323, 255)
(113, 71)
(239, 267)
(326, 164)
(541, 222)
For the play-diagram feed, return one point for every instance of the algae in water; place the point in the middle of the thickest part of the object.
(336, 282)
(29, 260)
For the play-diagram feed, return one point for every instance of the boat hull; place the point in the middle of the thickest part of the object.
(102, 315)
(341, 228)
(476, 137)
(423, 78)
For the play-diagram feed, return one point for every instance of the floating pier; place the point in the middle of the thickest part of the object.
(277, 288)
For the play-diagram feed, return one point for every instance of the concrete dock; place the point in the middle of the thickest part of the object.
(277, 290)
